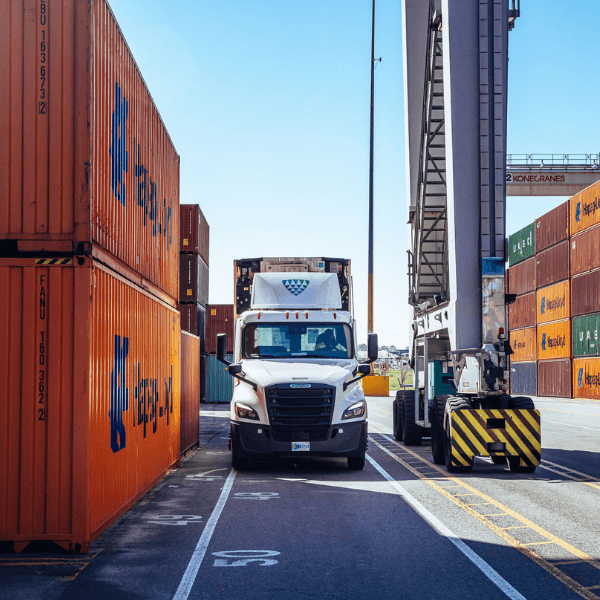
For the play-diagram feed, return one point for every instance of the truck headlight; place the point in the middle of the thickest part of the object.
(245, 412)
(356, 410)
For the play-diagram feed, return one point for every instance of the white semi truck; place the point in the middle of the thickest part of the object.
(297, 389)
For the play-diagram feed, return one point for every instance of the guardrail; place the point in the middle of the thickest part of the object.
(553, 160)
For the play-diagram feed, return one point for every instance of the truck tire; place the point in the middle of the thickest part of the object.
(356, 463)
(520, 402)
(397, 414)
(514, 466)
(436, 417)
(239, 464)
(454, 403)
(412, 433)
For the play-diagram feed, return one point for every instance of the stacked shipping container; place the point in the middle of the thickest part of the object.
(219, 319)
(567, 299)
(89, 223)
(194, 234)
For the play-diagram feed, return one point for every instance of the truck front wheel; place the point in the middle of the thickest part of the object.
(411, 432)
(397, 416)
(356, 463)
(438, 407)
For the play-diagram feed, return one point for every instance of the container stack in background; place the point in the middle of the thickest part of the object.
(194, 237)
(89, 326)
(520, 282)
(564, 310)
(219, 319)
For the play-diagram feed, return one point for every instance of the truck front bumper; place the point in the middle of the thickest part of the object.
(250, 440)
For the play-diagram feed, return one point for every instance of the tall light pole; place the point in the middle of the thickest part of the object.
(370, 267)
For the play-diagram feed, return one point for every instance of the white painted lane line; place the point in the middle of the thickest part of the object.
(187, 581)
(569, 425)
(483, 566)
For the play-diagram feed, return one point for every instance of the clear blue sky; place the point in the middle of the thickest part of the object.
(267, 102)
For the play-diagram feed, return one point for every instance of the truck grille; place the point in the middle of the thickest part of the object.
(300, 414)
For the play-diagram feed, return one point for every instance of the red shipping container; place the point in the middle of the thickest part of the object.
(193, 320)
(554, 378)
(219, 319)
(521, 313)
(194, 231)
(84, 155)
(552, 265)
(585, 293)
(585, 251)
(521, 277)
(89, 418)
(190, 392)
(552, 228)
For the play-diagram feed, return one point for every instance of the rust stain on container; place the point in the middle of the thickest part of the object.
(586, 378)
(194, 231)
(521, 277)
(585, 293)
(584, 209)
(523, 344)
(554, 302)
(521, 313)
(88, 159)
(552, 265)
(554, 340)
(90, 410)
(190, 392)
(219, 319)
(555, 378)
(552, 228)
(585, 251)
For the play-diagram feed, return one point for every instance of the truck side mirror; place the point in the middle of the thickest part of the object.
(372, 347)
(222, 348)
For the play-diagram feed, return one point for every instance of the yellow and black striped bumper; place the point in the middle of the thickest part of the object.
(481, 432)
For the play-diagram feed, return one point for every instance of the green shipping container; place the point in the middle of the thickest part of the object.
(585, 335)
(219, 385)
(521, 245)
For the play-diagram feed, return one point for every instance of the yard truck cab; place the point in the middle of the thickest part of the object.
(297, 390)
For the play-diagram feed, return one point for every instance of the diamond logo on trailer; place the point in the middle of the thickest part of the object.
(295, 286)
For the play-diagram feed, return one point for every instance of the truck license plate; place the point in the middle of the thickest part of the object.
(300, 446)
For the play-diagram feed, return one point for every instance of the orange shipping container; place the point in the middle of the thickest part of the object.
(190, 392)
(586, 378)
(585, 251)
(554, 340)
(89, 419)
(84, 155)
(554, 302)
(523, 344)
(584, 208)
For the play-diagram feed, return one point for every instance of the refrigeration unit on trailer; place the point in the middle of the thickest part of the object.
(455, 92)
(297, 389)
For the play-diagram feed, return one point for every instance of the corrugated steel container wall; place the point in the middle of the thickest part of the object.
(85, 154)
(554, 302)
(219, 386)
(193, 279)
(203, 376)
(523, 378)
(554, 378)
(193, 320)
(585, 335)
(584, 209)
(586, 378)
(521, 277)
(552, 265)
(521, 313)
(219, 319)
(585, 251)
(521, 245)
(194, 231)
(585, 293)
(552, 228)
(523, 344)
(190, 391)
(90, 411)
(554, 340)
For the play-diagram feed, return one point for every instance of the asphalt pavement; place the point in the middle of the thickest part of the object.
(311, 528)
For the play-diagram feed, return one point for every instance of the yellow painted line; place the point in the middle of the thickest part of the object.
(593, 483)
(547, 566)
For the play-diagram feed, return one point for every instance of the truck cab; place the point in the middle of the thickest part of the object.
(297, 389)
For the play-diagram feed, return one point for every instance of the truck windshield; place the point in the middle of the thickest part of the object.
(295, 340)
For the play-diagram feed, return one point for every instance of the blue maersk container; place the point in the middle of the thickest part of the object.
(219, 384)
